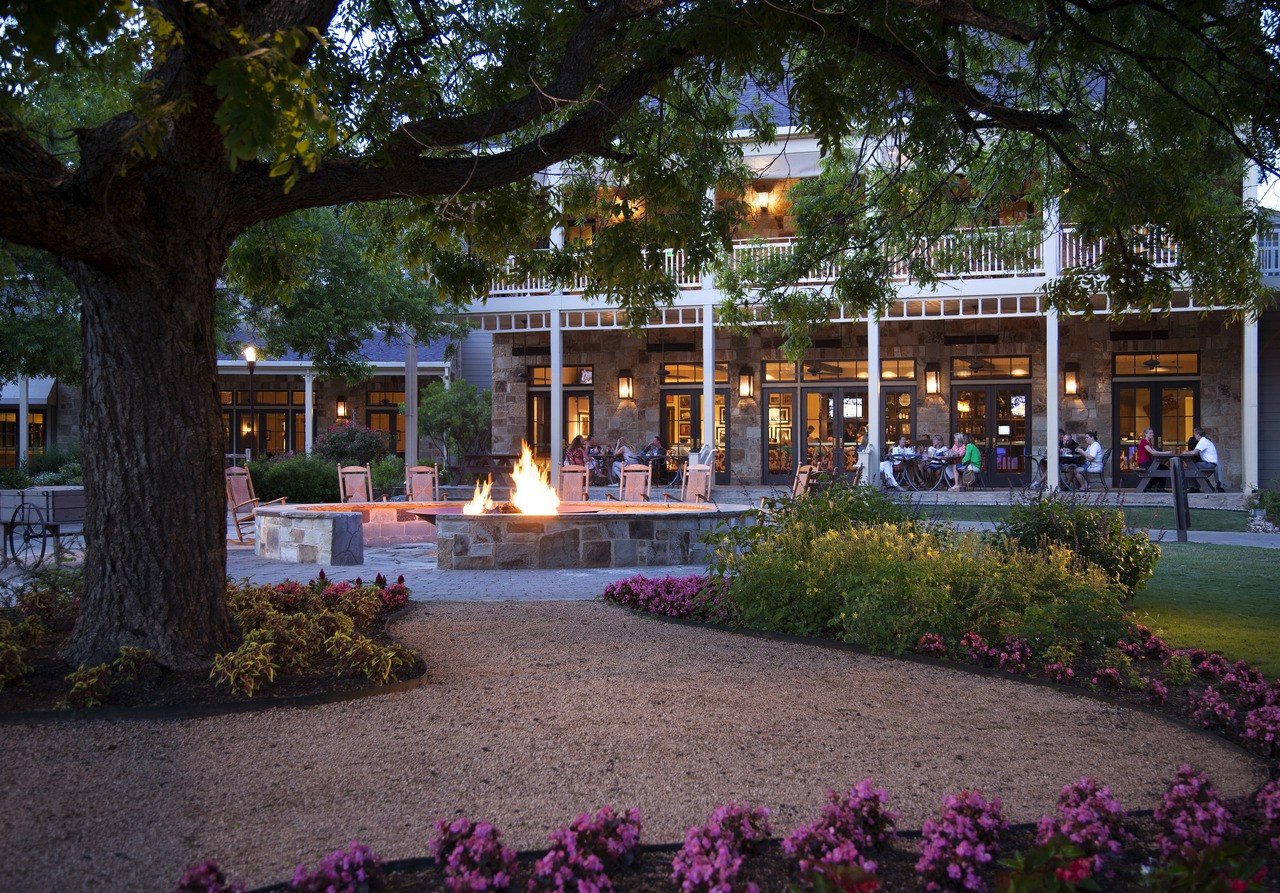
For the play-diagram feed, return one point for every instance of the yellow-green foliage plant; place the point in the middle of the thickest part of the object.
(90, 686)
(248, 668)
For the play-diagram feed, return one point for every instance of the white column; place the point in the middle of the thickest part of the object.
(1051, 253)
(411, 403)
(309, 411)
(1249, 408)
(1249, 472)
(875, 403)
(557, 396)
(708, 374)
(24, 420)
(1052, 398)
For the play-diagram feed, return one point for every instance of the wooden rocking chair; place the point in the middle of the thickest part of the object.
(696, 486)
(241, 500)
(573, 484)
(422, 484)
(354, 484)
(633, 484)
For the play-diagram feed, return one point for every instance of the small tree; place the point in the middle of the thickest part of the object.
(352, 444)
(456, 419)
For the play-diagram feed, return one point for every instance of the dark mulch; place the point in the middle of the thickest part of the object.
(42, 690)
(771, 870)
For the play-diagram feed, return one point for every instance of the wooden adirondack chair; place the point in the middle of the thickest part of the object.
(573, 484)
(696, 486)
(422, 484)
(634, 483)
(806, 476)
(241, 501)
(355, 484)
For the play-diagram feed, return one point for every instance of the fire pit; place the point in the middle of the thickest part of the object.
(535, 530)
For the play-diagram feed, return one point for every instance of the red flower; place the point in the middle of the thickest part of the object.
(1075, 871)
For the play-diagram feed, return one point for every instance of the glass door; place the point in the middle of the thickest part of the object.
(1171, 410)
(998, 419)
(780, 419)
(682, 428)
(835, 426)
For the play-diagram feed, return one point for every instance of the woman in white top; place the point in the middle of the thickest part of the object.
(901, 453)
(1092, 458)
(622, 455)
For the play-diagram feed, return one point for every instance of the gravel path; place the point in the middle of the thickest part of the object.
(537, 711)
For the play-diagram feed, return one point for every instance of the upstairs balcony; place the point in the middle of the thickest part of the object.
(970, 256)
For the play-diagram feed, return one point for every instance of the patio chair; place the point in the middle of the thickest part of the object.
(696, 486)
(634, 484)
(573, 484)
(422, 484)
(1100, 476)
(354, 484)
(241, 500)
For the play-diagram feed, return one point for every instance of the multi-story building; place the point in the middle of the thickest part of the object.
(981, 354)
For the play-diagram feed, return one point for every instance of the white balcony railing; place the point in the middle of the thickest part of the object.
(990, 253)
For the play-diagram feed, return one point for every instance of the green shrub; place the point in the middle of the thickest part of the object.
(249, 667)
(14, 479)
(1094, 534)
(353, 444)
(53, 459)
(297, 478)
(387, 473)
(13, 662)
(90, 686)
(47, 479)
(838, 507)
(884, 586)
(1177, 670)
(1269, 502)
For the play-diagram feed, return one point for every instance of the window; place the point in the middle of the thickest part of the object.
(9, 435)
(835, 370)
(385, 398)
(775, 370)
(1157, 364)
(898, 370)
(691, 373)
(991, 367)
(570, 376)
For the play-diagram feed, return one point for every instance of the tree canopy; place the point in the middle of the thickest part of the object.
(139, 140)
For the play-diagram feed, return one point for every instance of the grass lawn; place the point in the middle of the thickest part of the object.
(1223, 598)
(1151, 517)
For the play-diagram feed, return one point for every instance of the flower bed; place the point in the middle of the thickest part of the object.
(1195, 841)
(298, 639)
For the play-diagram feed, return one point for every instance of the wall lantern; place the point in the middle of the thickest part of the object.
(746, 383)
(626, 385)
(342, 407)
(762, 195)
(932, 379)
(1071, 380)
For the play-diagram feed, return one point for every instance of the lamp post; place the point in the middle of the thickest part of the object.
(251, 360)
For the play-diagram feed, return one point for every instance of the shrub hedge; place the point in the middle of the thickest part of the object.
(296, 478)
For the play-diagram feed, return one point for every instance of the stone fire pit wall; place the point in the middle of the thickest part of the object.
(310, 537)
(609, 539)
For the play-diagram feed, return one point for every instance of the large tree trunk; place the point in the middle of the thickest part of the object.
(155, 528)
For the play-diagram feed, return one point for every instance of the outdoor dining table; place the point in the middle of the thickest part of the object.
(1160, 470)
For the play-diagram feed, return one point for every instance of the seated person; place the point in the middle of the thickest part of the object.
(1142, 456)
(954, 456)
(576, 454)
(937, 453)
(1092, 458)
(622, 455)
(901, 453)
(1070, 458)
(1206, 458)
(970, 464)
(594, 452)
(653, 450)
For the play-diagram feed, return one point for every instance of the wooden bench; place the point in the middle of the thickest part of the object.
(1195, 477)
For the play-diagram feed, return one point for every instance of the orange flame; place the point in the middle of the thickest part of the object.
(480, 501)
(532, 493)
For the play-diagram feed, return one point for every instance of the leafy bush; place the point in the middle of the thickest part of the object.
(1090, 818)
(850, 829)
(473, 856)
(353, 444)
(387, 473)
(1191, 817)
(711, 857)
(14, 479)
(46, 479)
(884, 587)
(962, 843)
(1096, 535)
(456, 420)
(694, 597)
(583, 852)
(249, 667)
(298, 479)
(53, 459)
(13, 662)
(90, 686)
(1269, 502)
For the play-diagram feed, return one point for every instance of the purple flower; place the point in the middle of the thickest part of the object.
(206, 877)
(960, 844)
(697, 596)
(1267, 802)
(472, 856)
(1212, 710)
(848, 829)
(1015, 655)
(978, 650)
(931, 644)
(1191, 818)
(1262, 730)
(353, 870)
(1089, 818)
(712, 854)
(1157, 692)
(1108, 677)
(582, 852)
(1060, 673)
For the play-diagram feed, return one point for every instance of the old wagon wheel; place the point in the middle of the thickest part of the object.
(27, 542)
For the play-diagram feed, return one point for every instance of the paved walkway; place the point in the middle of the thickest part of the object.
(535, 712)
(427, 583)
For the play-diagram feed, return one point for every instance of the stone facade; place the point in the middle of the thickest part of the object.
(1091, 343)
(309, 537)
(642, 539)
